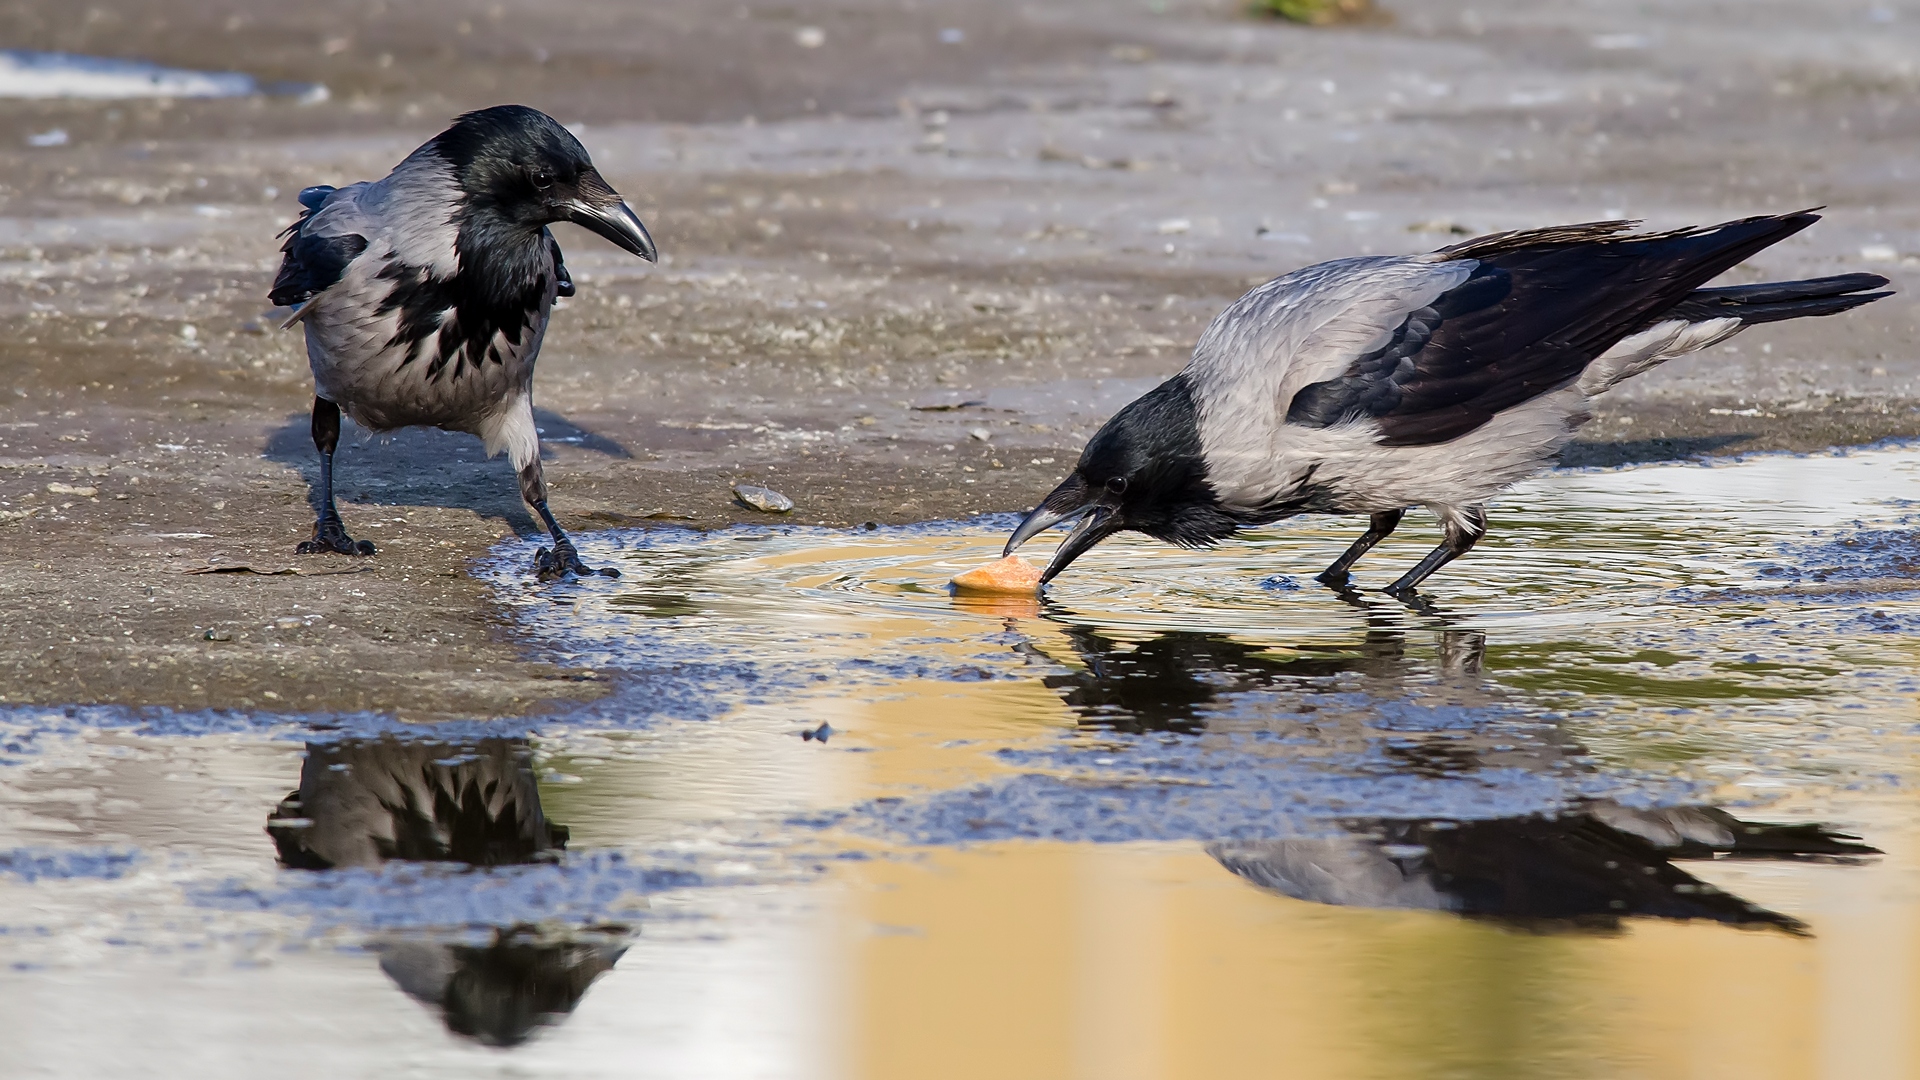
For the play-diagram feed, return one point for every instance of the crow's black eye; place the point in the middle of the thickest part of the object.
(1117, 485)
(541, 178)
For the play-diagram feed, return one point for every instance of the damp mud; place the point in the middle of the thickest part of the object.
(1635, 778)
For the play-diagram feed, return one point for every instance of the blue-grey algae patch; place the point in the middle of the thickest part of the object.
(585, 889)
(32, 865)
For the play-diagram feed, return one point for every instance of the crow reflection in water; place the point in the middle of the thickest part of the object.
(363, 802)
(1588, 867)
(1166, 682)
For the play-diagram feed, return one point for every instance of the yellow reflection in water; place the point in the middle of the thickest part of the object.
(1053, 960)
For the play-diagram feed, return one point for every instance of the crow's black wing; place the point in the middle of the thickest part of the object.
(311, 262)
(1539, 306)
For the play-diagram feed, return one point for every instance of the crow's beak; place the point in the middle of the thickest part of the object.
(1098, 520)
(598, 207)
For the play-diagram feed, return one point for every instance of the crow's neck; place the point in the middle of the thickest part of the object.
(502, 262)
(1156, 442)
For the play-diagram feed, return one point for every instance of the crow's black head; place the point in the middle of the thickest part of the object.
(519, 169)
(1144, 471)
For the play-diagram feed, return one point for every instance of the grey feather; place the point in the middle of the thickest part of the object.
(1371, 384)
(352, 327)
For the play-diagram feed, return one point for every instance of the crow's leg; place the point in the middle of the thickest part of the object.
(329, 534)
(1379, 527)
(562, 559)
(1465, 526)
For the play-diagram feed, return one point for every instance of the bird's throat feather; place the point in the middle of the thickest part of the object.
(500, 293)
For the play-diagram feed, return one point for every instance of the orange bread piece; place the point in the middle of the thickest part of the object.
(1011, 576)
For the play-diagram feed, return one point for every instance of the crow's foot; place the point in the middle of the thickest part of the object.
(562, 560)
(329, 535)
(1340, 584)
(1406, 595)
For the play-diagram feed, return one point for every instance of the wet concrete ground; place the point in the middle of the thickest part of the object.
(931, 204)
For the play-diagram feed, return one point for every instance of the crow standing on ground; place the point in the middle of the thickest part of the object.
(1370, 385)
(425, 295)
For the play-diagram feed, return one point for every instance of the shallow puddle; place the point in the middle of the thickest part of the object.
(1611, 804)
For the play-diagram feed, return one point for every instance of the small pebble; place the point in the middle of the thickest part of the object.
(759, 498)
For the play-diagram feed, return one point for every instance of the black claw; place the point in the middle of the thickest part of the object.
(1408, 596)
(561, 560)
(1341, 586)
(330, 537)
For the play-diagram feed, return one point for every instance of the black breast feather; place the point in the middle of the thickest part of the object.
(499, 292)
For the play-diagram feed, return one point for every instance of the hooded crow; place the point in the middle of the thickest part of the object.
(1370, 385)
(425, 295)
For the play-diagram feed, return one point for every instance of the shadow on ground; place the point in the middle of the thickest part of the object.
(1583, 454)
(427, 466)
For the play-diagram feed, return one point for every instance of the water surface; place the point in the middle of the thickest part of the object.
(1629, 795)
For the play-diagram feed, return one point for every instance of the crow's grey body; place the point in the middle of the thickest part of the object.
(1310, 327)
(425, 296)
(1370, 385)
(380, 376)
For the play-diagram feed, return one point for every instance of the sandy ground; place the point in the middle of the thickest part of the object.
(1027, 211)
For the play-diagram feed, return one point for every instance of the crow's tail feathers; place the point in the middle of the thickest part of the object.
(1763, 840)
(1777, 300)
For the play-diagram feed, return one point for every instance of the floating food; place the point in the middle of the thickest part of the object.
(1011, 576)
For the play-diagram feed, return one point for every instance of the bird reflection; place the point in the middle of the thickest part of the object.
(1166, 682)
(1589, 867)
(500, 993)
(362, 802)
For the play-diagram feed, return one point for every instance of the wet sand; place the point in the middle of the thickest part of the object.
(1037, 213)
